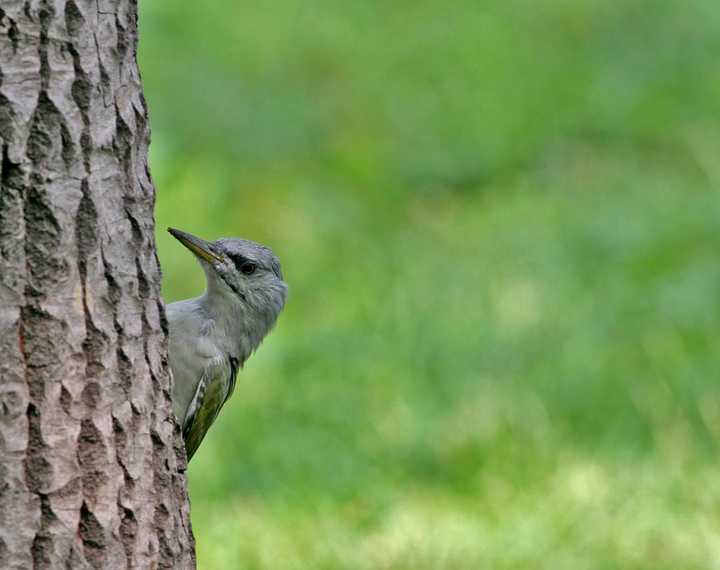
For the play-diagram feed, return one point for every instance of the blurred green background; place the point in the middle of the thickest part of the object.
(499, 224)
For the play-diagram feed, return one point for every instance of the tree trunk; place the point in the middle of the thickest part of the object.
(91, 462)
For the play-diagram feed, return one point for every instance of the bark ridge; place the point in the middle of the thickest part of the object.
(91, 463)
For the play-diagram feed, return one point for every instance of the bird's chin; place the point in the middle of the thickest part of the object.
(234, 293)
(209, 266)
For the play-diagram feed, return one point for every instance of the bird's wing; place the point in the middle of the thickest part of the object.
(213, 390)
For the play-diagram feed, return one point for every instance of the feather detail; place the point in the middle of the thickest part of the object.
(213, 390)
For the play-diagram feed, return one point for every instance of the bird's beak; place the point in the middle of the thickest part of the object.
(198, 246)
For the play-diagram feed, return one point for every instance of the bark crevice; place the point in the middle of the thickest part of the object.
(91, 464)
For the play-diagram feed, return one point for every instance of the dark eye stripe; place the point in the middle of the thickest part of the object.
(238, 260)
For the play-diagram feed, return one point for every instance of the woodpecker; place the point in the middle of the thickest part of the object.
(212, 336)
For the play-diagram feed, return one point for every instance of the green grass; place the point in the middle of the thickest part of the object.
(499, 223)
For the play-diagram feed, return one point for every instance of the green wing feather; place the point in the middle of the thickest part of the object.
(212, 392)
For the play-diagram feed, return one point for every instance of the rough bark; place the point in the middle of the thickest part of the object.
(91, 463)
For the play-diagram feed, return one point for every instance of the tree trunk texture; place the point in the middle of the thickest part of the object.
(91, 462)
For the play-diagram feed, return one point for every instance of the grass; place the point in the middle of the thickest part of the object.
(499, 227)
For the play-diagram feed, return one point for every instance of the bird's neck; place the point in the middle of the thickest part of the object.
(234, 326)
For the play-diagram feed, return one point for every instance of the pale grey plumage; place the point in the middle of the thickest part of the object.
(211, 336)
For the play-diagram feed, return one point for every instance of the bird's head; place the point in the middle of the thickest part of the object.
(240, 272)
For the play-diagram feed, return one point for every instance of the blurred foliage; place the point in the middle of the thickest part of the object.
(499, 223)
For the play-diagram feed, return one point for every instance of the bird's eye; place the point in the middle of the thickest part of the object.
(248, 268)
